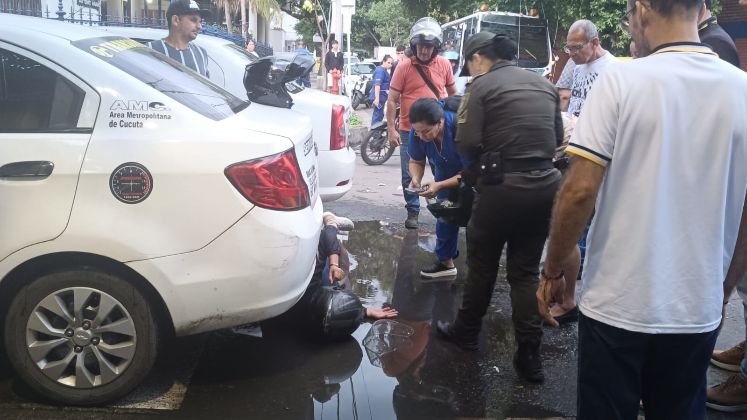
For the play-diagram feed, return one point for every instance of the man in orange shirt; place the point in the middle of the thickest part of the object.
(425, 75)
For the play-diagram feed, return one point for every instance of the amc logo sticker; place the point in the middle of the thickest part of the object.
(131, 183)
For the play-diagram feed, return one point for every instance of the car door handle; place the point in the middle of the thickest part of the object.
(33, 169)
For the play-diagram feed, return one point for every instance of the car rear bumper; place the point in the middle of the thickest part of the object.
(255, 270)
(335, 167)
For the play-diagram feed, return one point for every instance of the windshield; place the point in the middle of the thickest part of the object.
(165, 75)
(362, 68)
(533, 43)
(241, 52)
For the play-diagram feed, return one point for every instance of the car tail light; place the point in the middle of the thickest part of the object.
(273, 182)
(337, 135)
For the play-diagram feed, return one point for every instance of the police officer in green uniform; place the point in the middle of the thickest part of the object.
(509, 123)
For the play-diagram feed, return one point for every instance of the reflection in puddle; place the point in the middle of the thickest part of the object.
(387, 370)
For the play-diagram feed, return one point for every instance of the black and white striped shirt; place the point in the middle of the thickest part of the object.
(193, 57)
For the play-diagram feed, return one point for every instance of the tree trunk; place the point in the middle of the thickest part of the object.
(325, 42)
(226, 8)
(243, 19)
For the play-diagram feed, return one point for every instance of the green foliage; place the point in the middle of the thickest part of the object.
(390, 21)
(355, 120)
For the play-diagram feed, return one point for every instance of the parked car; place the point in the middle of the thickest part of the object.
(139, 200)
(356, 71)
(329, 113)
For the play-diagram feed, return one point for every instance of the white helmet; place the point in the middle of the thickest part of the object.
(426, 31)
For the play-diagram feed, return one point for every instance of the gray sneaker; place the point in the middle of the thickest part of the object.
(412, 220)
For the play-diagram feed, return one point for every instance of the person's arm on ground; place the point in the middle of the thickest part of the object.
(738, 267)
(381, 313)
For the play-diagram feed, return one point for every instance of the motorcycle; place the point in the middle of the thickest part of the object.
(375, 148)
(361, 92)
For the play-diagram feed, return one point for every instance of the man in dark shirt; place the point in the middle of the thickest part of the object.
(333, 60)
(715, 36)
(184, 18)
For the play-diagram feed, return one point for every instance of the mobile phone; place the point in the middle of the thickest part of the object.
(415, 190)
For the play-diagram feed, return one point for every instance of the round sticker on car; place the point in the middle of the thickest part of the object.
(131, 183)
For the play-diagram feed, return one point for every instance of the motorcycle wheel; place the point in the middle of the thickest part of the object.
(357, 98)
(376, 150)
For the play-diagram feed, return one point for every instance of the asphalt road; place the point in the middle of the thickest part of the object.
(375, 374)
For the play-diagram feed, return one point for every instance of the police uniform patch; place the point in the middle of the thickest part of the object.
(462, 112)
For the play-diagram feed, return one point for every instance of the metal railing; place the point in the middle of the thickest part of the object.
(90, 15)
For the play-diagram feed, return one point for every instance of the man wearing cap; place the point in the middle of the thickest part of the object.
(509, 124)
(184, 18)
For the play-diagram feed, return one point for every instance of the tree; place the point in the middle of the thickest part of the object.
(390, 21)
(264, 8)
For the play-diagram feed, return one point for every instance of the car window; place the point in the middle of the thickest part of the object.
(34, 98)
(165, 75)
(362, 68)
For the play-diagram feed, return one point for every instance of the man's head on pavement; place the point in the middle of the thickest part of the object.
(652, 20)
(582, 42)
(425, 39)
(483, 49)
(300, 44)
(387, 61)
(427, 118)
(250, 46)
(335, 46)
(184, 18)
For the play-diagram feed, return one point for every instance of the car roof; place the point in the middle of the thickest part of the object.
(35, 25)
(153, 33)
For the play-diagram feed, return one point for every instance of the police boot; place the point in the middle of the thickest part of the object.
(527, 360)
(463, 337)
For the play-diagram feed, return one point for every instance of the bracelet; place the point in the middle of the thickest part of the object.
(334, 265)
(542, 273)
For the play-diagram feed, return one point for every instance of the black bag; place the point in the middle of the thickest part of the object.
(459, 209)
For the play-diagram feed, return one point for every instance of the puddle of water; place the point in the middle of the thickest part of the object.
(410, 374)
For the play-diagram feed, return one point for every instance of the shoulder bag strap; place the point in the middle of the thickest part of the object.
(427, 81)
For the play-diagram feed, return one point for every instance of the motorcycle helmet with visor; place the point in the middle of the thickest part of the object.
(426, 31)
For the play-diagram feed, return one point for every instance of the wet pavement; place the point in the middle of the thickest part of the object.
(386, 370)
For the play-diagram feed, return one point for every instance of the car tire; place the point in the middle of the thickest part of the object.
(85, 356)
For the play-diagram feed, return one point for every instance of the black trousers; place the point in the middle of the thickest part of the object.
(519, 218)
(619, 368)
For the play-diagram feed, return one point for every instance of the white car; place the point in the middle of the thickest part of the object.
(356, 71)
(137, 200)
(329, 113)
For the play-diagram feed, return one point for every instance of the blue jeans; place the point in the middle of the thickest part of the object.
(742, 290)
(447, 237)
(378, 113)
(412, 201)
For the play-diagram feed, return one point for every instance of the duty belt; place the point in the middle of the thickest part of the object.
(526, 165)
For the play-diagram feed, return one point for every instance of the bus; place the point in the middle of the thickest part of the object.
(529, 32)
